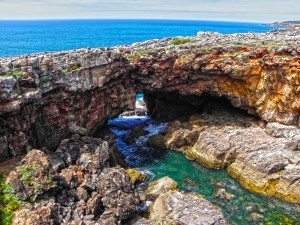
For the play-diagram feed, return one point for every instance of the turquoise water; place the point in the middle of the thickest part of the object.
(243, 207)
(24, 37)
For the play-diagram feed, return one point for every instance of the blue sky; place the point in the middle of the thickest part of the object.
(225, 10)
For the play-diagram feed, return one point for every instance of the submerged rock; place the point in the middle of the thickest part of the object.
(222, 194)
(174, 207)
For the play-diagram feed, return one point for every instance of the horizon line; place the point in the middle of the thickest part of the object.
(169, 19)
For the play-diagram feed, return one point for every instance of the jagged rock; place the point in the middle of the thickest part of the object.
(78, 130)
(117, 193)
(86, 191)
(108, 218)
(155, 188)
(157, 141)
(37, 214)
(134, 134)
(280, 130)
(82, 194)
(140, 221)
(174, 207)
(33, 177)
(136, 176)
(57, 163)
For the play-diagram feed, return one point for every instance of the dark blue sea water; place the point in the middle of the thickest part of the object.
(24, 37)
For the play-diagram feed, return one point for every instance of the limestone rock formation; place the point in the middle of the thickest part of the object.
(56, 102)
(57, 94)
(174, 207)
(44, 97)
(230, 139)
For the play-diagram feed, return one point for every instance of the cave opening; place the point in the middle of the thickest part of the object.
(169, 106)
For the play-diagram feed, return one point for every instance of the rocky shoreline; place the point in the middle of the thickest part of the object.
(264, 158)
(58, 102)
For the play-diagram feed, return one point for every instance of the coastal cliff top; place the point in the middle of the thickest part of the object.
(285, 39)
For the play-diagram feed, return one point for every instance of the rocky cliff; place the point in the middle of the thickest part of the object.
(44, 97)
(56, 101)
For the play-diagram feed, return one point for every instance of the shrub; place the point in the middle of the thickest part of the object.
(17, 74)
(8, 203)
(181, 41)
(75, 67)
(26, 172)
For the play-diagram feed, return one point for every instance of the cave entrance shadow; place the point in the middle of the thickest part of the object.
(172, 106)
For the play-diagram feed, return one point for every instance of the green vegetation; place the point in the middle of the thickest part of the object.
(17, 74)
(36, 187)
(64, 71)
(75, 67)
(26, 172)
(44, 80)
(181, 41)
(48, 180)
(137, 55)
(5, 75)
(261, 61)
(8, 202)
(287, 56)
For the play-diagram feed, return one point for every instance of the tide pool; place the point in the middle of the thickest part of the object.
(243, 208)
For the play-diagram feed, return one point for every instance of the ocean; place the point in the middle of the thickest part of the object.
(25, 37)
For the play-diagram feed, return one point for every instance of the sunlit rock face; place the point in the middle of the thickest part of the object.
(43, 96)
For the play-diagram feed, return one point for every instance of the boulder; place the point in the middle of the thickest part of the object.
(174, 207)
(117, 193)
(157, 141)
(136, 176)
(33, 177)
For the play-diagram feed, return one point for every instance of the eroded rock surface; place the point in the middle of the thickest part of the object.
(78, 184)
(44, 97)
(174, 208)
(263, 161)
(155, 188)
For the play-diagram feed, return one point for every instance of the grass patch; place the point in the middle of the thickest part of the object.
(26, 172)
(17, 74)
(181, 41)
(137, 55)
(48, 180)
(75, 67)
(8, 203)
